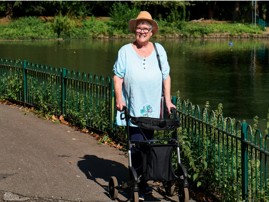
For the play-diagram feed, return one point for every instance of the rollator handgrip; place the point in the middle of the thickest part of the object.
(126, 114)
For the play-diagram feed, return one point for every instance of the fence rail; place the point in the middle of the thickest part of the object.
(235, 157)
(87, 100)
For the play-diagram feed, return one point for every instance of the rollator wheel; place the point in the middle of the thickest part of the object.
(112, 187)
(183, 195)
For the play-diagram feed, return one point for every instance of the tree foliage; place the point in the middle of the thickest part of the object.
(239, 11)
(120, 13)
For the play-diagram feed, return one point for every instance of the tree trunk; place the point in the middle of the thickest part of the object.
(9, 11)
(236, 13)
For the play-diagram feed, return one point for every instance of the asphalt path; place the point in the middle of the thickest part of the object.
(45, 161)
(40, 159)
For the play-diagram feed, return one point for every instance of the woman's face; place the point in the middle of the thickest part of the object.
(143, 32)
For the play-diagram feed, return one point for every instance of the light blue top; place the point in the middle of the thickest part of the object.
(142, 81)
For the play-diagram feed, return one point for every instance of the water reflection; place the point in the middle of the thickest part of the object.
(234, 73)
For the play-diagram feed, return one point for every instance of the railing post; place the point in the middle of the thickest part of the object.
(244, 160)
(174, 100)
(25, 89)
(266, 161)
(63, 91)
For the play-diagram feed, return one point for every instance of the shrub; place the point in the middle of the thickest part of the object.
(27, 27)
(120, 14)
(63, 25)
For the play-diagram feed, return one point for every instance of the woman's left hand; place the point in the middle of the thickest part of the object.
(169, 106)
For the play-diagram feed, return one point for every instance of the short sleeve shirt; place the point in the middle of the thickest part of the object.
(142, 81)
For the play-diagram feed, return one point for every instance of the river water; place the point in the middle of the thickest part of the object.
(232, 72)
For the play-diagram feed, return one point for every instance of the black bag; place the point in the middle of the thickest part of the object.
(157, 162)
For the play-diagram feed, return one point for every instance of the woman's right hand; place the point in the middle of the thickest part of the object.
(120, 105)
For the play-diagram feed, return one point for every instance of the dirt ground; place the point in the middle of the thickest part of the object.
(4, 21)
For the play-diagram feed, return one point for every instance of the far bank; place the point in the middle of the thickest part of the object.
(55, 28)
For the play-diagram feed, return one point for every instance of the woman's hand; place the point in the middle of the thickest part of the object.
(120, 105)
(170, 106)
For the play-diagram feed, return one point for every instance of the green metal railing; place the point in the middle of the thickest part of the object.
(85, 99)
(236, 156)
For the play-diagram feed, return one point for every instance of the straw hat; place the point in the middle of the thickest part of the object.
(143, 15)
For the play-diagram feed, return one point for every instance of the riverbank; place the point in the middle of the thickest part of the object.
(47, 28)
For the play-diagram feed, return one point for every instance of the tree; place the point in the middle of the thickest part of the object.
(176, 10)
(9, 9)
(171, 11)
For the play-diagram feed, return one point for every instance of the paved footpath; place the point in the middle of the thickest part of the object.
(42, 161)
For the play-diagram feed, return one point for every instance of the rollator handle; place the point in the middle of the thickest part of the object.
(126, 114)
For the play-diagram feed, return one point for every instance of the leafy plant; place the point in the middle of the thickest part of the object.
(25, 28)
(120, 14)
(62, 26)
(11, 87)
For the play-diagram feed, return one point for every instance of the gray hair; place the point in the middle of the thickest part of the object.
(144, 22)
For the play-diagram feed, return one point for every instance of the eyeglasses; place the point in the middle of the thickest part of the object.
(145, 30)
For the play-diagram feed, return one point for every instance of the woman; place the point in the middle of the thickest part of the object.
(139, 80)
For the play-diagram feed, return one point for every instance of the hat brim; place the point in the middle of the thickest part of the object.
(132, 25)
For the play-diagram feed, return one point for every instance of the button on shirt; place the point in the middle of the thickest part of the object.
(142, 81)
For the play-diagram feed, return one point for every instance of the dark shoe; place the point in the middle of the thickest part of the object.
(148, 190)
(141, 197)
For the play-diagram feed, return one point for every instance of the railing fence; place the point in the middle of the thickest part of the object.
(87, 100)
(234, 155)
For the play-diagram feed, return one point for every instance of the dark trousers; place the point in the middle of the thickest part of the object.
(138, 134)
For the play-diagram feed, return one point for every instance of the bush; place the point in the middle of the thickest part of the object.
(63, 25)
(120, 14)
(66, 27)
(25, 28)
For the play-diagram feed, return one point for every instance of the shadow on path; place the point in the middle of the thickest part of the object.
(100, 169)
(96, 168)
